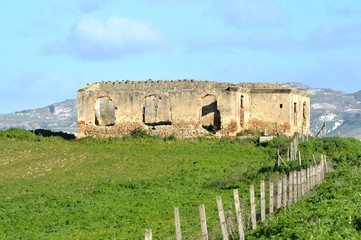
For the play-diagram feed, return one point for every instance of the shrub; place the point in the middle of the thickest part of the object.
(140, 133)
(17, 133)
(171, 138)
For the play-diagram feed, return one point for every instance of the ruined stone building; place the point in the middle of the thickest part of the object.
(187, 108)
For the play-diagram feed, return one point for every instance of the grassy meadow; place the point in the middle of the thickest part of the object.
(115, 188)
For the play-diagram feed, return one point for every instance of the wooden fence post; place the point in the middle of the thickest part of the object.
(202, 216)
(290, 188)
(178, 231)
(314, 180)
(263, 201)
(271, 197)
(295, 193)
(312, 175)
(322, 169)
(308, 179)
(148, 234)
(320, 166)
(238, 214)
(284, 191)
(288, 154)
(222, 219)
(253, 207)
(299, 185)
(279, 194)
(319, 173)
(302, 182)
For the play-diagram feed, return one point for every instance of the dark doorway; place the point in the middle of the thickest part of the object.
(210, 115)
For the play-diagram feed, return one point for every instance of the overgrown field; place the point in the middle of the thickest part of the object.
(115, 188)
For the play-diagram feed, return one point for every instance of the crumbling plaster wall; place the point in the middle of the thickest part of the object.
(273, 110)
(130, 100)
(182, 107)
(300, 118)
(269, 112)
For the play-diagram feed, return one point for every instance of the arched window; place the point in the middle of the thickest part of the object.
(304, 113)
(156, 110)
(104, 112)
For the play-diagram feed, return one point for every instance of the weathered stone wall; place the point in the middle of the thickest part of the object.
(184, 107)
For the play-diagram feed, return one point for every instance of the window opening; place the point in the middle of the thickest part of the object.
(210, 115)
(104, 112)
(241, 114)
(295, 113)
(304, 114)
(156, 111)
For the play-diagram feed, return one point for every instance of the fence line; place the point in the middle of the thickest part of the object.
(290, 189)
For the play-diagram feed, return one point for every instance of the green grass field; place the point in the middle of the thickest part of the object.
(115, 188)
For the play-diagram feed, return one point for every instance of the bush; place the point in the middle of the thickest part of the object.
(17, 133)
(170, 138)
(140, 133)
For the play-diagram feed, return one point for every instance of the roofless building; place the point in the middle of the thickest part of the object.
(190, 108)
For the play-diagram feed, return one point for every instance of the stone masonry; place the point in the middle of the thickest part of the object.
(190, 108)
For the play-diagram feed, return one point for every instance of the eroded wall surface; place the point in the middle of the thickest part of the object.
(188, 108)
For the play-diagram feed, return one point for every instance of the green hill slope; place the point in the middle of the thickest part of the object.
(55, 189)
(115, 188)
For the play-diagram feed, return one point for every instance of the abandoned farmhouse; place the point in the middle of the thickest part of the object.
(187, 108)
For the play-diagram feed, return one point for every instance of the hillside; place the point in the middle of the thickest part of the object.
(357, 96)
(56, 117)
(116, 188)
(111, 189)
(340, 111)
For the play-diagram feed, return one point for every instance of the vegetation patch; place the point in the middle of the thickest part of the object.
(114, 188)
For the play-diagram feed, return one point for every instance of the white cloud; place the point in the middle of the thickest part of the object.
(251, 13)
(92, 39)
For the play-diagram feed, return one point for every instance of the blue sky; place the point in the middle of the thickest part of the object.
(50, 49)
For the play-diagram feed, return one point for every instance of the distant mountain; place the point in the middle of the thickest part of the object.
(340, 111)
(56, 117)
(357, 96)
